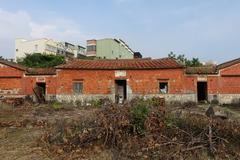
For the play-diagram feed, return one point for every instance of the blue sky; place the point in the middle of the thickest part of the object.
(208, 29)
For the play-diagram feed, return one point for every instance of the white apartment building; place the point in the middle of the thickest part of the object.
(48, 46)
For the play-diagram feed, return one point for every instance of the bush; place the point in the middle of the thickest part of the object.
(189, 104)
(38, 60)
(96, 103)
(139, 114)
(78, 103)
(236, 102)
(215, 101)
(56, 105)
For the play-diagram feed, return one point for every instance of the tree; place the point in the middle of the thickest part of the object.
(38, 60)
(194, 62)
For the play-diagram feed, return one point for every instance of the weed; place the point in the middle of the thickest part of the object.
(57, 105)
(139, 114)
(96, 103)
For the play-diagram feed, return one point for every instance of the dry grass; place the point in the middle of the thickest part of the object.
(43, 132)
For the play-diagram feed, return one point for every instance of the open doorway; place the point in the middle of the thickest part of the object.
(120, 91)
(40, 92)
(42, 87)
(202, 91)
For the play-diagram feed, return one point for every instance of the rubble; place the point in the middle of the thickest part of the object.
(140, 129)
(165, 136)
(13, 101)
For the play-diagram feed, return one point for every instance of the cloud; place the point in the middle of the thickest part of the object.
(63, 30)
(12, 25)
(20, 24)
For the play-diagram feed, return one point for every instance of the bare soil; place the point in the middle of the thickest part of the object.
(21, 129)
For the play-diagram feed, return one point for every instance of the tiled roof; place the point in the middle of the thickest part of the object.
(41, 71)
(201, 70)
(12, 64)
(228, 63)
(164, 63)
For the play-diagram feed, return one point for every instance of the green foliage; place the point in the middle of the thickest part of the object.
(194, 62)
(96, 103)
(57, 105)
(171, 120)
(78, 103)
(38, 60)
(139, 114)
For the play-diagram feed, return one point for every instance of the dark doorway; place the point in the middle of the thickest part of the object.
(120, 91)
(42, 87)
(202, 91)
(40, 92)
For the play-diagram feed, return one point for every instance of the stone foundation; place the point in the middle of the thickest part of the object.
(225, 98)
(83, 97)
(168, 97)
(9, 91)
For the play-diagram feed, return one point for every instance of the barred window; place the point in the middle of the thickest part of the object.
(78, 87)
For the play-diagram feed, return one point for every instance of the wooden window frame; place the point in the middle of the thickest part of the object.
(78, 91)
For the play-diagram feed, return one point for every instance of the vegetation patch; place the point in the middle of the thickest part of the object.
(38, 60)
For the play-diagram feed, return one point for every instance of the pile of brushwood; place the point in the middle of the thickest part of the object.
(13, 101)
(144, 129)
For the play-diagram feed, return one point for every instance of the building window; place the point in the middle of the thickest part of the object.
(91, 48)
(16, 50)
(78, 87)
(163, 87)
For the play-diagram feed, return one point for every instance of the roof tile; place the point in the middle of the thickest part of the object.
(164, 63)
(41, 71)
(201, 70)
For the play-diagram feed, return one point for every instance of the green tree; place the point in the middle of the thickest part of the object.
(194, 62)
(38, 60)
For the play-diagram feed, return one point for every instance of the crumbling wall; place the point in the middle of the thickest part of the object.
(10, 87)
(49, 80)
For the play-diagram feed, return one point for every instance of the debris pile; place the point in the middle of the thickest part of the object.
(13, 101)
(143, 129)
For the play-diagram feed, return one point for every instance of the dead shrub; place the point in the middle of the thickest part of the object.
(166, 136)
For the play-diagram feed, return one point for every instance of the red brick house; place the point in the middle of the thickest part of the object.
(11, 79)
(121, 80)
(221, 82)
(18, 81)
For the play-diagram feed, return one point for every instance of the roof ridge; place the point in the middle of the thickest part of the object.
(13, 64)
(162, 63)
(228, 63)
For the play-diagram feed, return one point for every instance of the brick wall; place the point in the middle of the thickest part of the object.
(10, 81)
(138, 81)
(94, 82)
(6, 71)
(30, 82)
(226, 84)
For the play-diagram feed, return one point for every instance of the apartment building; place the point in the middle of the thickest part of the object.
(48, 46)
(109, 48)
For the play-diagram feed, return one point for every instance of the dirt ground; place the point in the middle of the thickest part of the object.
(22, 127)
